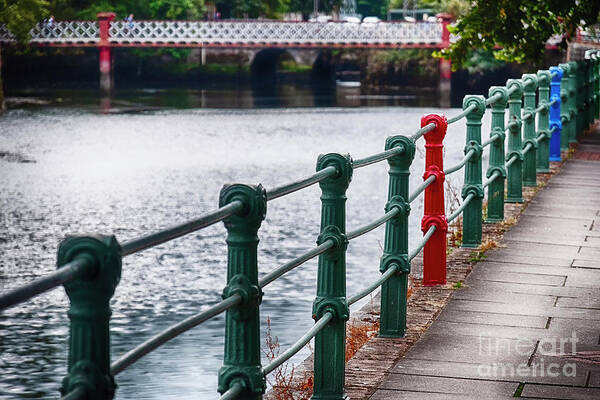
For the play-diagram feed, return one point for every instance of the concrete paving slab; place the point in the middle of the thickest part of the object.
(505, 257)
(487, 274)
(524, 309)
(579, 263)
(434, 384)
(533, 373)
(565, 213)
(458, 348)
(383, 394)
(509, 288)
(482, 318)
(589, 252)
(560, 392)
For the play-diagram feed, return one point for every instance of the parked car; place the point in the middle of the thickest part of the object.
(371, 20)
(352, 20)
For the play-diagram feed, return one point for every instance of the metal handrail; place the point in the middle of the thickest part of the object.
(461, 164)
(384, 155)
(527, 147)
(491, 100)
(372, 225)
(165, 235)
(423, 242)
(421, 188)
(290, 265)
(491, 140)
(463, 114)
(511, 124)
(460, 209)
(173, 331)
(292, 187)
(300, 343)
(491, 179)
(233, 391)
(511, 161)
(369, 289)
(79, 267)
(427, 128)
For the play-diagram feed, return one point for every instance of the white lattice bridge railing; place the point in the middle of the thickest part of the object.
(236, 33)
(272, 32)
(247, 34)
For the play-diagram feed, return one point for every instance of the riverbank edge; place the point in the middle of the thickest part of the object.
(376, 358)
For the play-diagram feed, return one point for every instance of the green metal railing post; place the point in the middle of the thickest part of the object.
(515, 147)
(595, 82)
(565, 106)
(596, 57)
(575, 99)
(241, 362)
(392, 317)
(589, 93)
(89, 335)
(330, 343)
(530, 84)
(495, 212)
(472, 217)
(543, 125)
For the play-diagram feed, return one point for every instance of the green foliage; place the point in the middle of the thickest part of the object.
(517, 30)
(305, 7)
(177, 9)
(377, 8)
(256, 8)
(22, 15)
(156, 9)
(481, 61)
(454, 7)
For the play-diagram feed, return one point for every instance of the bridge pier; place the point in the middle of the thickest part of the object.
(106, 79)
(445, 85)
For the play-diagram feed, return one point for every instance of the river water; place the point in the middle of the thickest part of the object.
(151, 159)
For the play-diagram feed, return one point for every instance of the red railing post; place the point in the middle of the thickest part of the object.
(434, 253)
(104, 19)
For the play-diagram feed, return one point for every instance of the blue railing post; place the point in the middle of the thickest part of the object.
(496, 163)
(555, 113)
(515, 148)
(394, 291)
(543, 153)
(472, 217)
(241, 362)
(89, 335)
(330, 343)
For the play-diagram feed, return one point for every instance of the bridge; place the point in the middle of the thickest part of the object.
(231, 33)
(548, 112)
(107, 33)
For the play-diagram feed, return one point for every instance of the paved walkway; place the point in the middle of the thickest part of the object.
(527, 321)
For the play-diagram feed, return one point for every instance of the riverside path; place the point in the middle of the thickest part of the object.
(526, 323)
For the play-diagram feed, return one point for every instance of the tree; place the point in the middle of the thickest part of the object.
(517, 30)
(376, 8)
(256, 8)
(20, 16)
(305, 7)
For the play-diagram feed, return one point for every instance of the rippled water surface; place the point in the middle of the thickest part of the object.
(69, 169)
